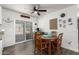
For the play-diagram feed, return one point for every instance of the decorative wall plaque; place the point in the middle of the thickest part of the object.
(62, 15)
(64, 21)
(69, 20)
(60, 25)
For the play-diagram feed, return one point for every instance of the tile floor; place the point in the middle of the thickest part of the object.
(27, 48)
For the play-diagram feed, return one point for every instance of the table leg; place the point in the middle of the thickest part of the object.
(49, 49)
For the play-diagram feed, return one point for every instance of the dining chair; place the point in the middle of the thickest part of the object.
(40, 46)
(57, 43)
(54, 33)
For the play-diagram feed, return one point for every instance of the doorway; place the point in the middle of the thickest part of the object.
(23, 31)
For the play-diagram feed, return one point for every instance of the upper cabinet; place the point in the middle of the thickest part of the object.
(0, 15)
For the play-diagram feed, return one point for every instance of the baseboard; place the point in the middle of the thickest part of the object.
(24, 41)
(70, 49)
(8, 46)
(18, 43)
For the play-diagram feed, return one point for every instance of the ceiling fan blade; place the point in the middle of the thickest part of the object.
(35, 8)
(42, 10)
(24, 16)
(38, 13)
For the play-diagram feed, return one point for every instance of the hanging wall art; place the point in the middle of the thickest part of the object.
(62, 15)
(70, 21)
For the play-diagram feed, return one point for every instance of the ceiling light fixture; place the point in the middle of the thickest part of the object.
(35, 12)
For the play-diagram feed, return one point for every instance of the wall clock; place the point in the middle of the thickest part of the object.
(8, 20)
(62, 15)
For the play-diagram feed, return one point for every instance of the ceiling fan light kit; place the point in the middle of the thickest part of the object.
(37, 11)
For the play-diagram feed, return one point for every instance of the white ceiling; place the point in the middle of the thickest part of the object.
(28, 8)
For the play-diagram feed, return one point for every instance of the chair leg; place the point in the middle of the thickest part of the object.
(58, 50)
(35, 51)
(41, 52)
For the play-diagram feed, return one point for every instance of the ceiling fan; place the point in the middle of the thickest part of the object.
(37, 10)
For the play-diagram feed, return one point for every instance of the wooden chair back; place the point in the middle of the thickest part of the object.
(60, 38)
(40, 46)
(38, 40)
(57, 43)
(54, 33)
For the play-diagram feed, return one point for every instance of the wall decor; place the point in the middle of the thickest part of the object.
(60, 20)
(8, 20)
(69, 20)
(60, 25)
(64, 21)
(70, 23)
(64, 26)
(53, 23)
(62, 15)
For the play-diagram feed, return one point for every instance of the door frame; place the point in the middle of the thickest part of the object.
(24, 33)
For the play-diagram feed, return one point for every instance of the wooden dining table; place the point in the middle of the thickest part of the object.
(49, 41)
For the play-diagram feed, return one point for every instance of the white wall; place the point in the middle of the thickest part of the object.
(0, 15)
(78, 10)
(9, 35)
(70, 32)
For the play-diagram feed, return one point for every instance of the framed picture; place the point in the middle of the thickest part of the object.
(70, 21)
(53, 23)
(35, 23)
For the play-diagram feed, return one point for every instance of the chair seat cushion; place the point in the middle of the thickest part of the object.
(47, 36)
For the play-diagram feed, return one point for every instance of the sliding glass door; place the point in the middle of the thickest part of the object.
(23, 31)
(28, 30)
(20, 31)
